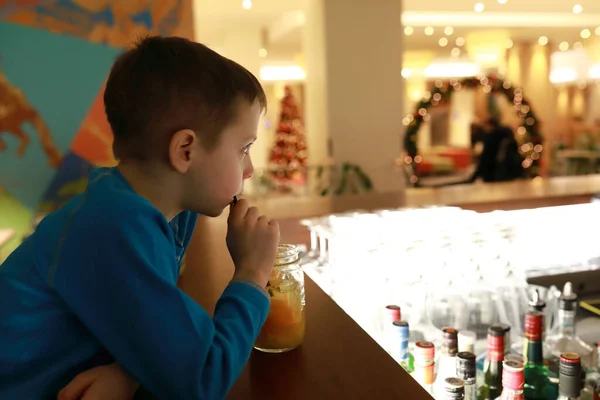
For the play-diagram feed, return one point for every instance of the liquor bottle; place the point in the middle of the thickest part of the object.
(536, 373)
(563, 338)
(400, 351)
(569, 387)
(391, 313)
(513, 381)
(424, 365)
(447, 360)
(597, 392)
(454, 389)
(466, 371)
(466, 341)
(492, 369)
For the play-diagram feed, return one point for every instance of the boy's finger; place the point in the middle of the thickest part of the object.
(77, 387)
(238, 211)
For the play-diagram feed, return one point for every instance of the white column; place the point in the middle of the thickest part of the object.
(592, 46)
(354, 89)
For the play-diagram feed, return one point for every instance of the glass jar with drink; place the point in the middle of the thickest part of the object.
(284, 328)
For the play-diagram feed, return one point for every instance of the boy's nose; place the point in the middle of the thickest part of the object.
(248, 170)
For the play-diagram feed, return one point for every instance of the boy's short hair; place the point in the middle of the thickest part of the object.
(165, 84)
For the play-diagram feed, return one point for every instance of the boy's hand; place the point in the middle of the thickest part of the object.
(100, 383)
(252, 241)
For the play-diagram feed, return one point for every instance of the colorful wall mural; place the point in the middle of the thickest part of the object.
(54, 59)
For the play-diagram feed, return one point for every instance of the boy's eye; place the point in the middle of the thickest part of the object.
(246, 149)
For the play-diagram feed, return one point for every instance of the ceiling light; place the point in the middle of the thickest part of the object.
(563, 46)
(597, 31)
(448, 30)
(247, 4)
(502, 1)
(595, 72)
(460, 41)
(509, 44)
(451, 69)
(406, 72)
(578, 45)
(479, 7)
(577, 9)
(429, 30)
(585, 34)
(563, 75)
(455, 52)
(282, 73)
(262, 53)
(543, 40)
(408, 30)
(443, 42)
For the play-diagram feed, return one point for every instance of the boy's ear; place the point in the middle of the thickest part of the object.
(181, 148)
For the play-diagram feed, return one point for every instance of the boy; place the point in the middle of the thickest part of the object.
(95, 284)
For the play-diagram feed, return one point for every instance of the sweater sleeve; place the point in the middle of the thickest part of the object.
(120, 281)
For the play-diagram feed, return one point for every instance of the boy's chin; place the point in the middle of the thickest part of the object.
(215, 212)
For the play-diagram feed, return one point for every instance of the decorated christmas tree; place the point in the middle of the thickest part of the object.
(288, 155)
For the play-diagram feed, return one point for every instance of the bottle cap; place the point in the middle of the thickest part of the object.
(454, 388)
(497, 329)
(392, 313)
(505, 327)
(468, 338)
(569, 375)
(401, 328)
(513, 375)
(570, 364)
(424, 352)
(533, 325)
(450, 341)
(536, 303)
(465, 365)
(567, 300)
(514, 357)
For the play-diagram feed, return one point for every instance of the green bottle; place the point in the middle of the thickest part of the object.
(492, 369)
(536, 373)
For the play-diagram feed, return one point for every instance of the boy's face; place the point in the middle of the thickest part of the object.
(218, 174)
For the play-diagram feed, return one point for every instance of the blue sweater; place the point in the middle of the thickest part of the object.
(96, 283)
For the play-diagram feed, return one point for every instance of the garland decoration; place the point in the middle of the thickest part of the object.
(528, 134)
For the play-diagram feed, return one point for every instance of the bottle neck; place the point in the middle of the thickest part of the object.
(532, 352)
(566, 322)
(470, 390)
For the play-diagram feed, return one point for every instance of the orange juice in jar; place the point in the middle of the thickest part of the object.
(284, 327)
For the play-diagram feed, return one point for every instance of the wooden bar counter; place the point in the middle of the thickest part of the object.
(338, 360)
